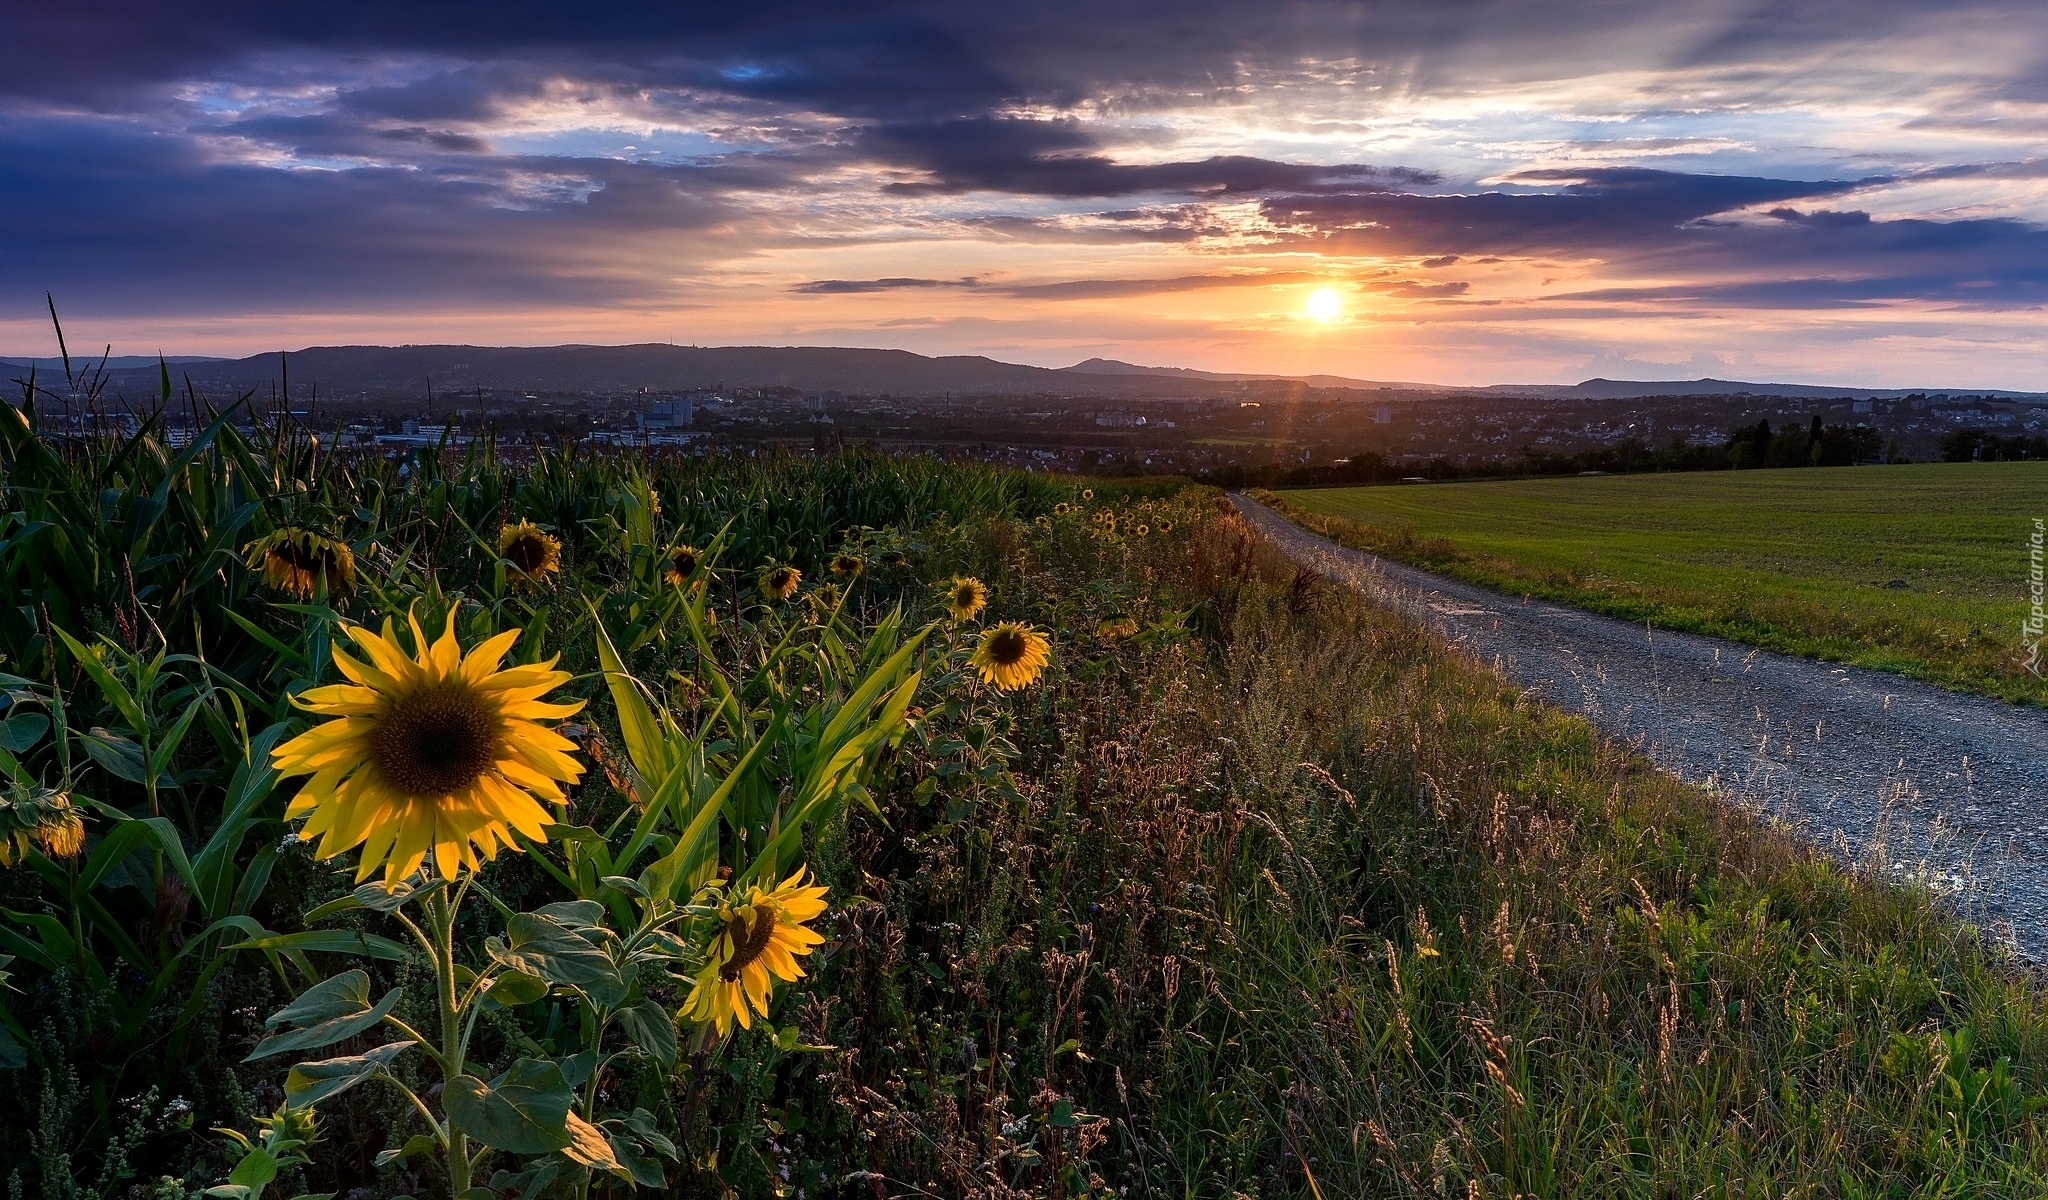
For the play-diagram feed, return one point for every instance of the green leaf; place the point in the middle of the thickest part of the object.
(418, 1143)
(642, 1123)
(650, 1027)
(545, 947)
(576, 914)
(515, 988)
(311, 1082)
(523, 1111)
(334, 941)
(645, 1171)
(327, 1032)
(12, 1056)
(22, 730)
(345, 994)
(255, 1171)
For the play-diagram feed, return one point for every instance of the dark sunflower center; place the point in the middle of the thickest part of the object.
(779, 578)
(434, 742)
(1006, 647)
(749, 939)
(528, 553)
(964, 597)
(685, 562)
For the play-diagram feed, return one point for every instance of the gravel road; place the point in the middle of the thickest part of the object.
(1951, 789)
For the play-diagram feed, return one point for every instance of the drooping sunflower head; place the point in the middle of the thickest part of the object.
(893, 558)
(825, 600)
(298, 562)
(965, 598)
(780, 583)
(846, 566)
(1011, 655)
(532, 552)
(40, 818)
(682, 563)
(1112, 628)
(759, 940)
(434, 755)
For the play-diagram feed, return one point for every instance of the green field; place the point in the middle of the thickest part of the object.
(1915, 569)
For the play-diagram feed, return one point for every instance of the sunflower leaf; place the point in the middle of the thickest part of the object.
(311, 1082)
(344, 995)
(650, 1027)
(327, 1032)
(524, 1111)
(542, 946)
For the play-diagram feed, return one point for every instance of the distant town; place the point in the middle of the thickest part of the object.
(1232, 429)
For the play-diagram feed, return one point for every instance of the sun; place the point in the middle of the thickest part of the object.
(1325, 305)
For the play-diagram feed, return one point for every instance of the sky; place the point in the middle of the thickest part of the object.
(1453, 191)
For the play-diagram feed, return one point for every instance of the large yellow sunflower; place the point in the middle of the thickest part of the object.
(1011, 655)
(760, 943)
(533, 552)
(966, 598)
(297, 561)
(682, 563)
(436, 754)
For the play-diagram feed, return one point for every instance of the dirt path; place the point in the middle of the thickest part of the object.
(1953, 788)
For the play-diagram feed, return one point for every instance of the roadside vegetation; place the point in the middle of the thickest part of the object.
(1917, 569)
(1151, 865)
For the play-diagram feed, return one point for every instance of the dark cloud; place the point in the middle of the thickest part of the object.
(1058, 158)
(852, 287)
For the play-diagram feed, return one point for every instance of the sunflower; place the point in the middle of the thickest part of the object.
(760, 943)
(41, 818)
(825, 600)
(298, 561)
(846, 566)
(1087, 493)
(533, 552)
(1011, 655)
(682, 563)
(436, 754)
(966, 598)
(1143, 529)
(893, 558)
(780, 583)
(1060, 509)
(1111, 628)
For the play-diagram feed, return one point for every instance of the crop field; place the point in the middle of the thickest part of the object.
(1918, 569)
(602, 825)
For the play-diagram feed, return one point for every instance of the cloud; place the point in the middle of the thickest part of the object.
(851, 287)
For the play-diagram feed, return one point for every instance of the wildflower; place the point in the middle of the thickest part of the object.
(1061, 509)
(682, 563)
(532, 551)
(1011, 655)
(966, 598)
(846, 566)
(1111, 628)
(298, 562)
(760, 943)
(780, 583)
(1087, 493)
(436, 754)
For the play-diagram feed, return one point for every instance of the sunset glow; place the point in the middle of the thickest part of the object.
(1557, 191)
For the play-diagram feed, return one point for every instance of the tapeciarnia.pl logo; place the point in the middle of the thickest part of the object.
(2034, 629)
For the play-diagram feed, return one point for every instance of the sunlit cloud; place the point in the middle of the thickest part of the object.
(1855, 190)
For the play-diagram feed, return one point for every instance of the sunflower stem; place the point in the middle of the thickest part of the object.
(441, 920)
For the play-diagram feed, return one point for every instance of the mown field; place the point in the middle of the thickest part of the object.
(1246, 890)
(1918, 569)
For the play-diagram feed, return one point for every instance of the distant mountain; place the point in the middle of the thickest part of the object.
(1111, 366)
(1622, 389)
(393, 371)
(118, 362)
(657, 366)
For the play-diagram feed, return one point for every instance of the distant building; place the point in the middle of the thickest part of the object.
(672, 413)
